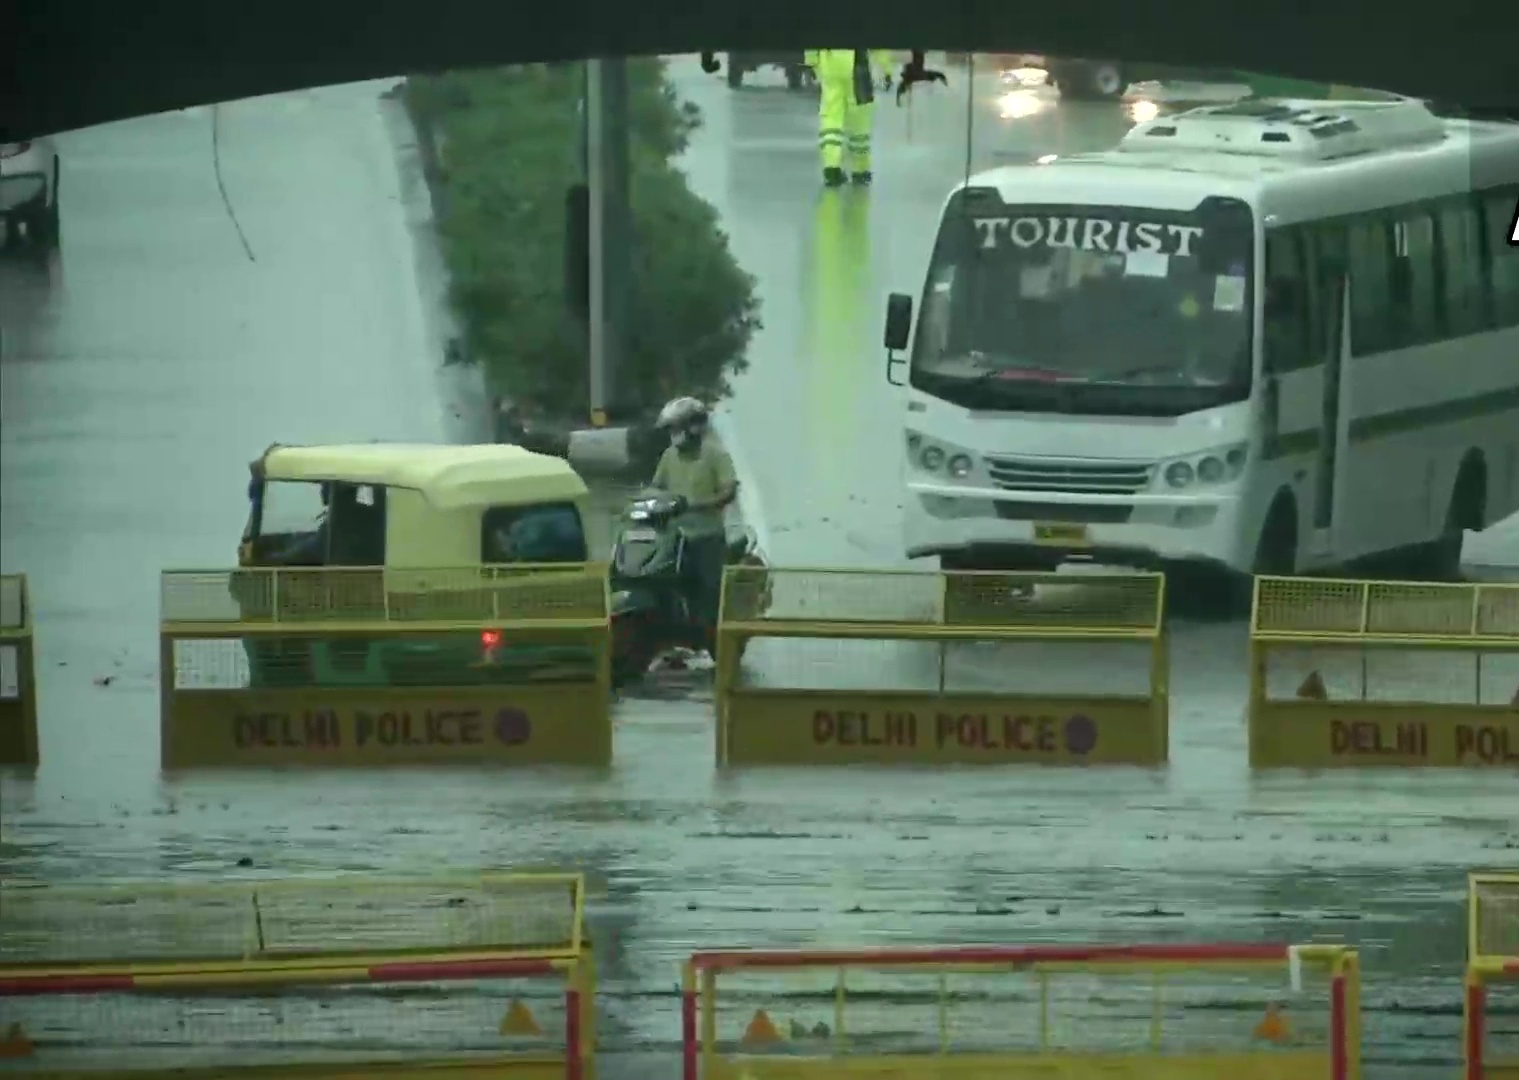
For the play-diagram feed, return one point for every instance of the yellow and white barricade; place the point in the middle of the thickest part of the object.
(18, 674)
(446, 979)
(1374, 674)
(843, 666)
(1492, 977)
(1038, 1012)
(378, 667)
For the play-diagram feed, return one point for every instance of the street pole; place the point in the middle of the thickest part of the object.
(607, 168)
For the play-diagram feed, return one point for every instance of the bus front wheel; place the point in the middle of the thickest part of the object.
(1440, 559)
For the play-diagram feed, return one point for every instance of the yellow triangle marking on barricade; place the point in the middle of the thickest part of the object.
(1273, 1026)
(761, 1030)
(1312, 688)
(519, 1020)
(16, 1044)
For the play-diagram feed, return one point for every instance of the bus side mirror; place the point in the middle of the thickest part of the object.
(577, 250)
(898, 331)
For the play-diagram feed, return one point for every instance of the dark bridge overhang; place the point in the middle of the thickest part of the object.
(72, 63)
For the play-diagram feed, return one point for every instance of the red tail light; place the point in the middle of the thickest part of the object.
(14, 149)
(489, 639)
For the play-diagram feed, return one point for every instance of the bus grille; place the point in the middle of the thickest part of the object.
(1076, 477)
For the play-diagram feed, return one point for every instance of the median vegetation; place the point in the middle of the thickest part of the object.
(502, 146)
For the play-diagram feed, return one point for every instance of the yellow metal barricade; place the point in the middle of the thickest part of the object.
(18, 674)
(1182, 1012)
(506, 665)
(329, 980)
(130, 922)
(1369, 674)
(842, 666)
(1492, 976)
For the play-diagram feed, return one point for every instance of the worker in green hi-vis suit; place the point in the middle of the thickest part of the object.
(847, 81)
(839, 319)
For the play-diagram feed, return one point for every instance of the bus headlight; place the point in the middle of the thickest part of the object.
(931, 458)
(1210, 470)
(959, 466)
(1218, 466)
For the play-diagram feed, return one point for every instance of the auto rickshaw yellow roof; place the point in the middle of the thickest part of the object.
(449, 477)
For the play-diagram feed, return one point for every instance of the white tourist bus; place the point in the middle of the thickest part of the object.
(1261, 337)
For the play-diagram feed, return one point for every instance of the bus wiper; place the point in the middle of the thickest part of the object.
(1140, 370)
(1024, 373)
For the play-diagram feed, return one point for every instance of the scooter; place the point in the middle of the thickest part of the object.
(652, 587)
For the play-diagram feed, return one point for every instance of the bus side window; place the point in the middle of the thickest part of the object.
(1461, 264)
(1373, 316)
(1501, 206)
(1415, 292)
(1285, 342)
(1327, 267)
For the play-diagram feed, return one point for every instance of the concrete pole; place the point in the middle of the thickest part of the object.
(607, 169)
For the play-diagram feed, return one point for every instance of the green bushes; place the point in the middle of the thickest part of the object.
(507, 143)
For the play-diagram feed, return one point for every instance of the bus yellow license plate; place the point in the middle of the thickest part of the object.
(1060, 532)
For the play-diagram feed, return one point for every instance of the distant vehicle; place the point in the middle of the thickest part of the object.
(741, 63)
(29, 180)
(1099, 80)
(1272, 336)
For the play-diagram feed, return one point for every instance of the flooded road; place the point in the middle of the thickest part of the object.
(153, 358)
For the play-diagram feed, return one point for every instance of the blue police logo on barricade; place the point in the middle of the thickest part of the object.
(512, 727)
(1080, 734)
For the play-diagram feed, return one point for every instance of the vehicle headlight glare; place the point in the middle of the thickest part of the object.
(1179, 474)
(959, 466)
(932, 458)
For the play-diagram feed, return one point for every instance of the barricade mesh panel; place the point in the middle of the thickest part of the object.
(454, 659)
(1073, 602)
(470, 594)
(1112, 1011)
(63, 925)
(1495, 914)
(12, 602)
(1025, 667)
(1500, 1030)
(1351, 673)
(1370, 608)
(368, 1022)
(10, 673)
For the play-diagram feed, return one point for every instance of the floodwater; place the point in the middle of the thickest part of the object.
(145, 366)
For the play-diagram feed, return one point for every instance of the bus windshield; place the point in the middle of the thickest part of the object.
(1084, 309)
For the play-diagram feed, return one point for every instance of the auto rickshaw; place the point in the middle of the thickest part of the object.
(394, 534)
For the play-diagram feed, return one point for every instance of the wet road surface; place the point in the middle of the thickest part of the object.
(153, 358)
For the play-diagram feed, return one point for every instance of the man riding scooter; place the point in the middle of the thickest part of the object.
(698, 473)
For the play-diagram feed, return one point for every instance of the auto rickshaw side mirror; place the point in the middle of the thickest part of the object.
(577, 250)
